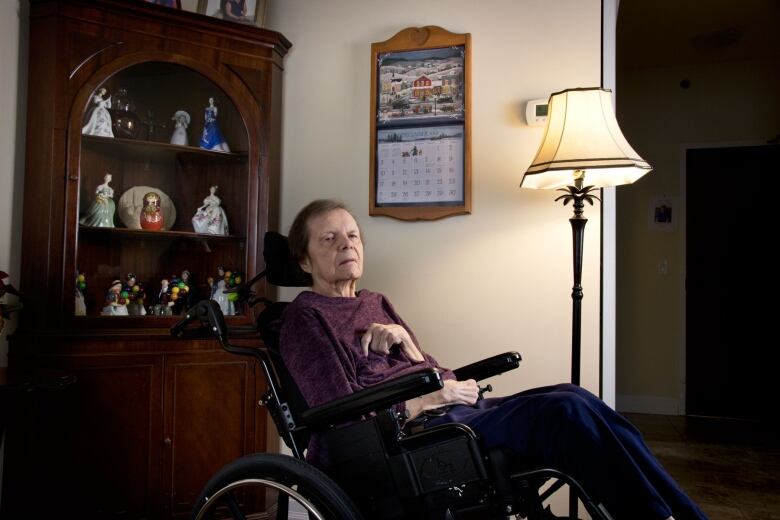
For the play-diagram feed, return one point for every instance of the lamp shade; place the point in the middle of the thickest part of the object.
(583, 134)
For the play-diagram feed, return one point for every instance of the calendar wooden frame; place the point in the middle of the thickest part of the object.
(410, 40)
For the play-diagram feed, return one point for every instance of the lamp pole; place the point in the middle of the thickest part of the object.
(579, 195)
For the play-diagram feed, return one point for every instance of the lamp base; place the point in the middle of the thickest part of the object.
(579, 195)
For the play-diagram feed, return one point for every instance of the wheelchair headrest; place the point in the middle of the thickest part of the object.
(281, 268)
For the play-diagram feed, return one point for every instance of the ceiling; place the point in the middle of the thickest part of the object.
(679, 32)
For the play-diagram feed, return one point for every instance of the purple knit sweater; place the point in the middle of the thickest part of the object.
(320, 346)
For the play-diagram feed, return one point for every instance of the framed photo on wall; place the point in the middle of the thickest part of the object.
(250, 12)
(420, 157)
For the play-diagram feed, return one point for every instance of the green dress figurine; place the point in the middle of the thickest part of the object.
(101, 212)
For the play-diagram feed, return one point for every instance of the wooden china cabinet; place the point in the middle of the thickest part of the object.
(150, 418)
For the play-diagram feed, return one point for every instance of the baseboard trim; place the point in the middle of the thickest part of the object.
(652, 404)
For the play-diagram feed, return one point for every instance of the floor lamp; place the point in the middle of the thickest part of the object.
(582, 144)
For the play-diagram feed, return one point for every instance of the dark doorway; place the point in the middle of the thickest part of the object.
(731, 283)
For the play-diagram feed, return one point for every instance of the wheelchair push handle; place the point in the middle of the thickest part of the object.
(211, 326)
(211, 323)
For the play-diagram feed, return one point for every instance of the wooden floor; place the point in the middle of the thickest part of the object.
(730, 468)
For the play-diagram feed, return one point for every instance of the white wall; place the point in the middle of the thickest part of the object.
(13, 92)
(474, 285)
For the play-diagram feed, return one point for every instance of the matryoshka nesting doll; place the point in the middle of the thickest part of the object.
(151, 214)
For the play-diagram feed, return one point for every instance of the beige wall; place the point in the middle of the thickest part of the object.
(13, 86)
(728, 102)
(474, 285)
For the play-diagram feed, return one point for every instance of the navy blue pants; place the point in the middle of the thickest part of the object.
(569, 429)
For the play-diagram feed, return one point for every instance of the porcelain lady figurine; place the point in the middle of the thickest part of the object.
(210, 218)
(99, 120)
(101, 212)
(219, 295)
(212, 138)
(182, 120)
(151, 214)
(115, 304)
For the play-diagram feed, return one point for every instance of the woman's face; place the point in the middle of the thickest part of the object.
(335, 250)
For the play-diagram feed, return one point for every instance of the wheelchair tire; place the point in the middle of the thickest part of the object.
(301, 482)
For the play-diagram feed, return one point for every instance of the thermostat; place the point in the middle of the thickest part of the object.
(536, 112)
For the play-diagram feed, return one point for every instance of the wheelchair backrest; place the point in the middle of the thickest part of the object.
(282, 270)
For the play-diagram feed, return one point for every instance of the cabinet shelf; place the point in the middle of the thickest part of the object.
(123, 148)
(162, 235)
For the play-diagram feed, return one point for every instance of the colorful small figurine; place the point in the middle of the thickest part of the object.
(218, 293)
(184, 292)
(101, 212)
(210, 218)
(100, 119)
(151, 214)
(212, 137)
(179, 135)
(80, 308)
(164, 303)
(116, 304)
(135, 295)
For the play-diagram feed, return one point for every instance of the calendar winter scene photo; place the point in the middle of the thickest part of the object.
(420, 86)
(422, 165)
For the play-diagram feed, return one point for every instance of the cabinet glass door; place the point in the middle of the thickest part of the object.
(164, 183)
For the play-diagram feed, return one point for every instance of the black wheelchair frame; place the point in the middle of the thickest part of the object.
(379, 468)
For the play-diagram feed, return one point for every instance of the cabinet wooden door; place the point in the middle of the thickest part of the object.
(82, 444)
(210, 407)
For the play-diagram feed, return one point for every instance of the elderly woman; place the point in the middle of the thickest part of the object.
(336, 340)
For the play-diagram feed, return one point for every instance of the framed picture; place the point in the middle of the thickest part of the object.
(175, 4)
(663, 214)
(420, 157)
(243, 11)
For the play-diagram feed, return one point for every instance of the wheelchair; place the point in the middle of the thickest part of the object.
(379, 468)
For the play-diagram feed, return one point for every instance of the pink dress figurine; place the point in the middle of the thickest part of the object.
(210, 218)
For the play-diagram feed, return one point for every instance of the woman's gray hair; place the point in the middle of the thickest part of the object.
(299, 231)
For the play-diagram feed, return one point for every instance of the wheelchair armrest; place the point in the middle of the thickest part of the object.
(489, 367)
(372, 399)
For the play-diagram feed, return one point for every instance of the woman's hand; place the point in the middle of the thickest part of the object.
(380, 338)
(454, 392)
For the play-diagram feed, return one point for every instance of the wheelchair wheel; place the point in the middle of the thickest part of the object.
(243, 488)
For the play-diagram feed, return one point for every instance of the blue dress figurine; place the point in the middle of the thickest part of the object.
(212, 138)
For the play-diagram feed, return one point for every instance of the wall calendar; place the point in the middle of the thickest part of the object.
(420, 125)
